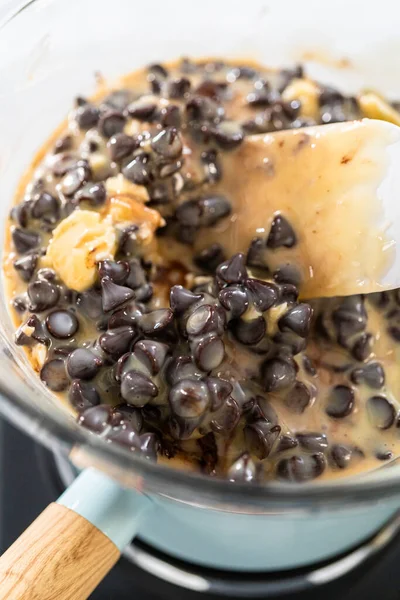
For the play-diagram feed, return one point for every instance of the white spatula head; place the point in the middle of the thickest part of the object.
(338, 188)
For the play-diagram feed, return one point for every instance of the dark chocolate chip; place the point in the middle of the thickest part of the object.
(235, 300)
(219, 391)
(249, 332)
(189, 398)
(25, 266)
(260, 438)
(278, 374)
(152, 354)
(42, 295)
(286, 442)
(137, 389)
(234, 270)
(309, 366)
(212, 167)
(341, 456)
(114, 295)
(228, 135)
(96, 418)
(24, 240)
(281, 234)
(313, 442)
(181, 299)
(263, 294)
(301, 468)
(381, 412)
(182, 367)
(117, 341)
(205, 319)
(288, 274)
(362, 348)
(138, 170)
(209, 352)
(62, 324)
(371, 374)
(46, 207)
(111, 123)
(226, 418)
(87, 116)
(179, 87)
(156, 321)
(118, 100)
(121, 146)
(83, 364)
(54, 376)
(167, 143)
(298, 398)
(124, 414)
(83, 395)
(117, 271)
(243, 469)
(142, 109)
(340, 402)
(297, 319)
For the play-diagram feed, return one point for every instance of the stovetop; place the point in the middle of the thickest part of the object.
(29, 482)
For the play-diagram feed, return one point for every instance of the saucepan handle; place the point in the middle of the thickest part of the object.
(74, 543)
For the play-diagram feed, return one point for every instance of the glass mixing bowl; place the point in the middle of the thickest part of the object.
(50, 50)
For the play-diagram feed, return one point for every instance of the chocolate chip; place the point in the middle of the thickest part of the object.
(114, 295)
(83, 395)
(234, 270)
(243, 469)
(182, 367)
(62, 324)
(92, 193)
(286, 442)
(137, 389)
(42, 295)
(212, 167)
(167, 143)
(117, 271)
(260, 438)
(117, 341)
(138, 170)
(21, 213)
(394, 333)
(54, 376)
(179, 87)
(156, 321)
(87, 116)
(201, 108)
(362, 348)
(62, 144)
(111, 123)
(226, 418)
(25, 266)
(235, 300)
(288, 274)
(309, 366)
(381, 412)
(24, 240)
(341, 456)
(96, 418)
(209, 352)
(83, 364)
(74, 179)
(118, 100)
(350, 317)
(301, 468)
(142, 109)
(248, 332)
(209, 258)
(189, 399)
(121, 146)
(228, 135)
(205, 319)
(298, 398)
(219, 391)
(124, 414)
(385, 455)
(281, 234)
(340, 402)
(152, 354)
(371, 374)
(181, 299)
(256, 254)
(170, 116)
(277, 374)
(213, 209)
(263, 294)
(313, 442)
(46, 207)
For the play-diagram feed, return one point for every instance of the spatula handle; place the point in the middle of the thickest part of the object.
(61, 556)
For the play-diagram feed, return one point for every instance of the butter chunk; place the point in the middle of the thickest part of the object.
(79, 242)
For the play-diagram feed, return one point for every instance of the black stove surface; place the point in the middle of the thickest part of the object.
(29, 482)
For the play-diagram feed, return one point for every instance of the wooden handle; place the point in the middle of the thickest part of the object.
(61, 556)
